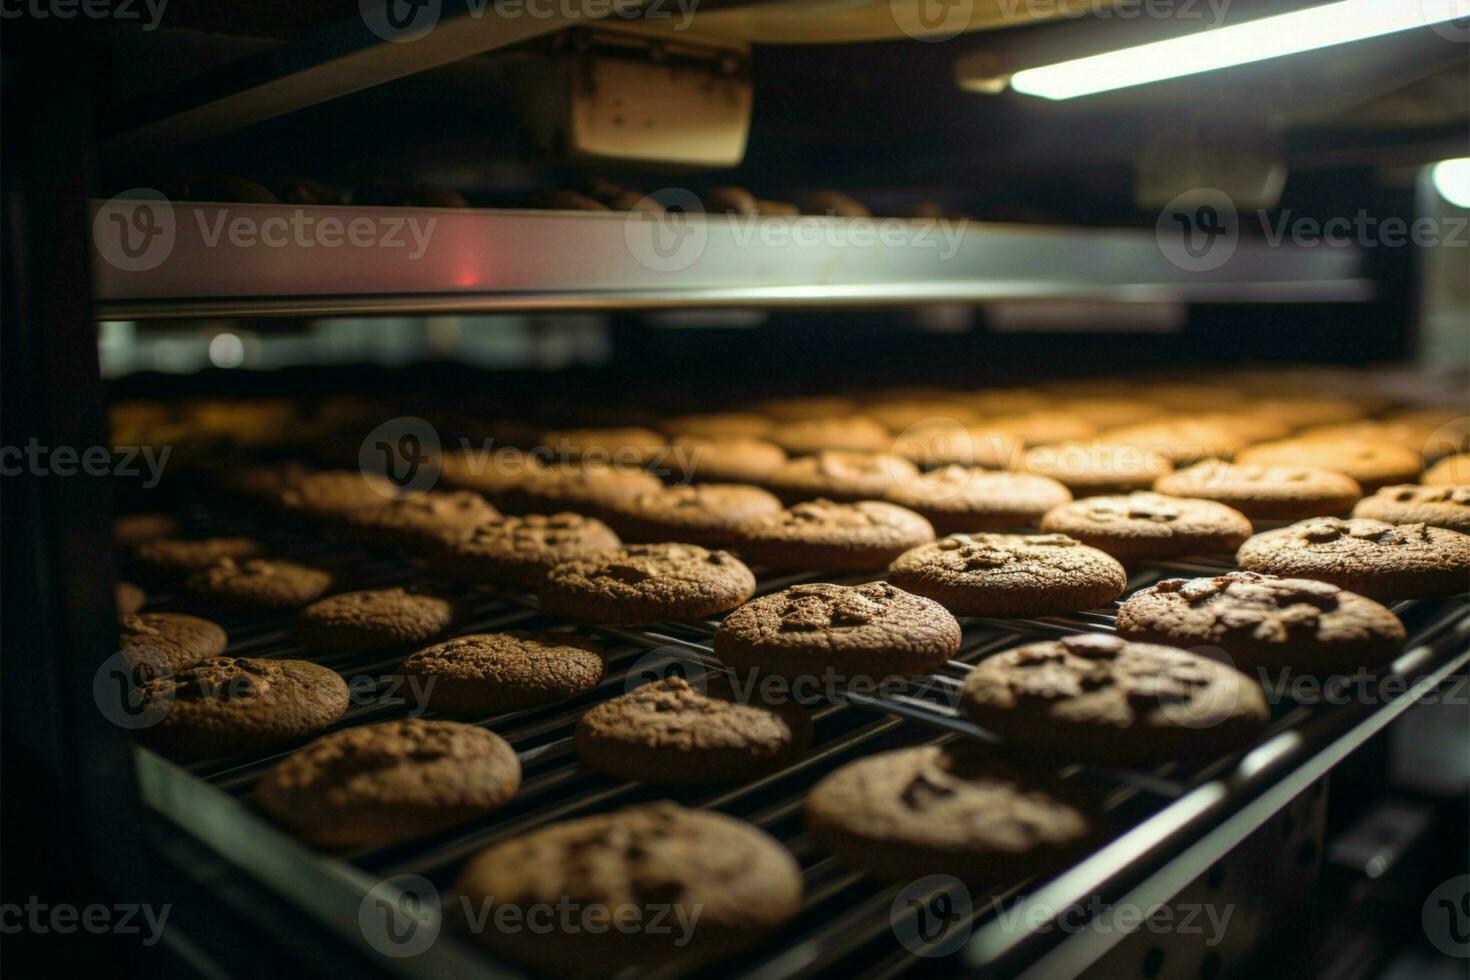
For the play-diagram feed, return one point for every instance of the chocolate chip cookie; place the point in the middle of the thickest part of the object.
(1010, 574)
(493, 673)
(958, 809)
(1378, 560)
(234, 705)
(517, 552)
(415, 523)
(865, 632)
(255, 585)
(1264, 621)
(642, 584)
(377, 619)
(1101, 699)
(725, 459)
(670, 732)
(841, 476)
(823, 534)
(959, 498)
(1446, 507)
(376, 785)
(655, 859)
(180, 640)
(707, 513)
(1371, 464)
(1275, 493)
(584, 487)
(1146, 525)
(167, 557)
(621, 447)
(849, 433)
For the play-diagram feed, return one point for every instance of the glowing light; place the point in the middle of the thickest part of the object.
(1452, 180)
(226, 350)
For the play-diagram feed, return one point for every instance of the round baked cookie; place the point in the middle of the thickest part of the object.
(1246, 425)
(706, 513)
(493, 673)
(1042, 426)
(180, 556)
(414, 523)
(898, 414)
(1446, 507)
(1010, 574)
(375, 785)
(958, 809)
(1371, 464)
(959, 498)
(1181, 441)
(1276, 493)
(1112, 411)
(725, 459)
(621, 447)
(849, 433)
(128, 598)
(718, 425)
(950, 443)
(255, 585)
(1406, 435)
(1089, 469)
(868, 631)
(493, 473)
(235, 705)
(1100, 699)
(1264, 621)
(670, 733)
(1145, 525)
(1378, 560)
(642, 584)
(1446, 430)
(823, 534)
(131, 530)
(181, 640)
(744, 884)
(377, 619)
(519, 551)
(1007, 401)
(333, 495)
(841, 476)
(583, 487)
(1452, 471)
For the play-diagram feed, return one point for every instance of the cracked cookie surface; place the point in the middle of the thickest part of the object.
(1378, 560)
(704, 513)
(1447, 507)
(256, 584)
(961, 499)
(824, 534)
(1146, 525)
(519, 551)
(1278, 493)
(642, 584)
(492, 673)
(376, 619)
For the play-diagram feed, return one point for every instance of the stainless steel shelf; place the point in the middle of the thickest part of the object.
(280, 263)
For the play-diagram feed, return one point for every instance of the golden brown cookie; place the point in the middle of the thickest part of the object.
(718, 425)
(1378, 560)
(705, 513)
(898, 414)
(840, 476)
(959, 498)
(493, 472)
(1089, 469)
(255, 585)
(1452, 471)
(958, 809)
(1265, 621)
(1446, 507)
(1276, 493)
(519, 551)
(625, 447)
(181, 556)
(334, 495)
(807, 407)
(1181, 441)
(378, 619)
(950, 443)
(180, 640)
(810, 633)
(642, 584)
(847, 433)
(823, 534)
(376, 785)
(1043, 426)
(725, 459)
(1010, 574)
(1372, 464)
(413, 524)
(493, 673)
(656, 860)
(1101, 699)
(584, 487)
(1145, 525)
(670, 733)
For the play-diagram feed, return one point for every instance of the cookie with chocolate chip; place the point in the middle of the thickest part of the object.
(375, 785)
(846, 433)
(1371, 464)
(1010, 574)
(255, 585)
(167, 557)
(1146, 525)
(518, 551)
(1262, 620)
(1374, 559)
(826, 535)
(961, 498)
(1101, 699)
(959, 809)
(642, 584)
(842, 476)
(1275, 493)
(868, 631)
(180, 640)
(705, 513)
(1446, 507)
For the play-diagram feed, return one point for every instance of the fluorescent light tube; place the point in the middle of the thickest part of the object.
(1452, 180)
(1239, 44)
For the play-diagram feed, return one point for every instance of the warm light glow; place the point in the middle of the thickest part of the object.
(1240, 44)
(226, 350)
(1452, 180)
